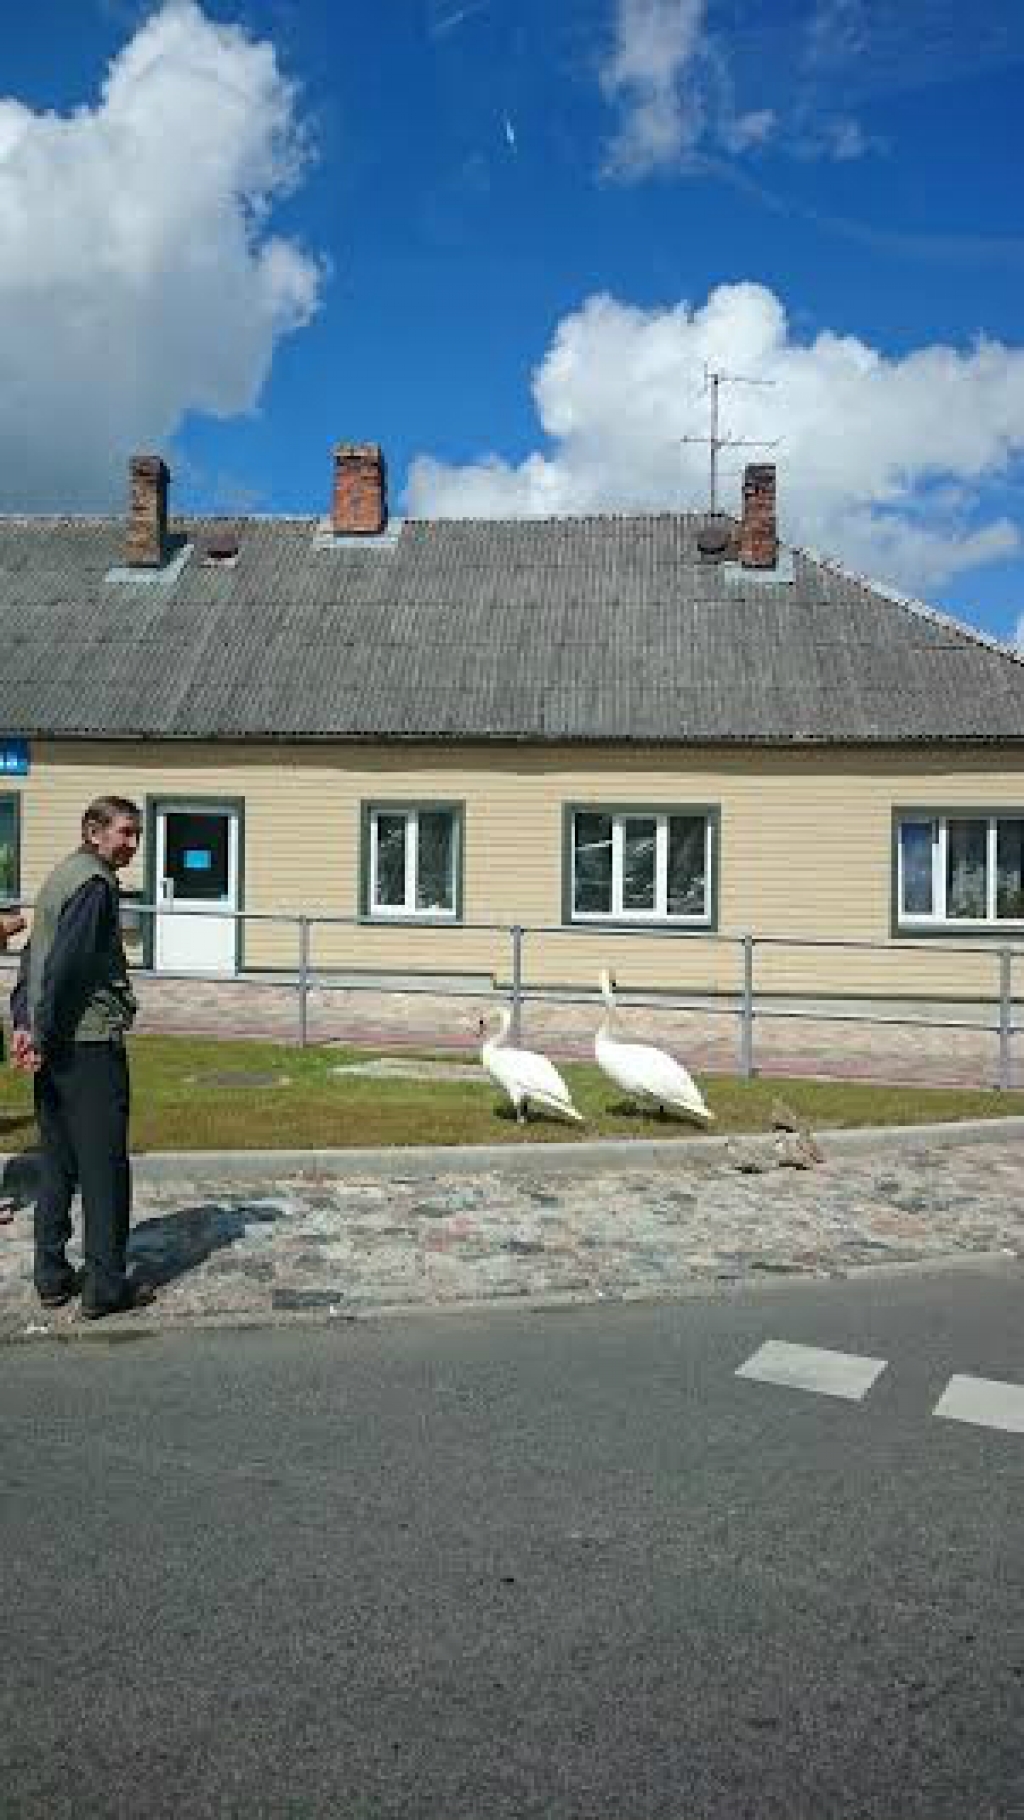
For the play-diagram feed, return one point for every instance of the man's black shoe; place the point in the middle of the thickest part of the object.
(57, 1298)
(136, 1295)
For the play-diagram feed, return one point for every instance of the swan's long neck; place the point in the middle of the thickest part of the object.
(504, 1017)
(609, 1016)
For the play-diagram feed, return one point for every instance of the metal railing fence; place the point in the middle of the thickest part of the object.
(744, 1003)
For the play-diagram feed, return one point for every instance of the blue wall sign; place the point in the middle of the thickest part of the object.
(198, 859)
(14, 758)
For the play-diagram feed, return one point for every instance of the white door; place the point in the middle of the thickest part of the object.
(196, 882)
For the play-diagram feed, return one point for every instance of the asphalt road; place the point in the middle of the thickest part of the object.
(518, 1564)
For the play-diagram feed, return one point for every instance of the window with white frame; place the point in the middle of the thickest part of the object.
(641, 865)
(413, 861)
(960, 869)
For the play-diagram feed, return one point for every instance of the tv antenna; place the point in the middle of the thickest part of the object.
(714, 377)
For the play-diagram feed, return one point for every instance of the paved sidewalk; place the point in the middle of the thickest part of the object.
(330, 1247)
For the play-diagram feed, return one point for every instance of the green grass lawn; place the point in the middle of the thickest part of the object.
(178, 1105)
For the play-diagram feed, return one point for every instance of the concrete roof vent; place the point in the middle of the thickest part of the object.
(220, 547)
(713, 539)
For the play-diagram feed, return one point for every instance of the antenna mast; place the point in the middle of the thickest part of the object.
(715, 377)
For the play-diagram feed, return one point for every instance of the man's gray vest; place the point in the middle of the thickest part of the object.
(108, 1005)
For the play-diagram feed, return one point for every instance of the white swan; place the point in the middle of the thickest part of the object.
(527, 1078)
(646, 1073)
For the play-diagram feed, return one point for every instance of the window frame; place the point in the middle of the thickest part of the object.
(937, 922)
(651, 922)
(14, 797)
(372, 912)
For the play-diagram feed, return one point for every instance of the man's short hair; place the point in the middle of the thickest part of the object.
(105, 809)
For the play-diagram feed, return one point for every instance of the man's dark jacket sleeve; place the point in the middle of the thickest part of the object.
(79, 939)
(19, 997)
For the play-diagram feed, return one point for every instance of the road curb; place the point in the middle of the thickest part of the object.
(127, 1329)
(591, 1156)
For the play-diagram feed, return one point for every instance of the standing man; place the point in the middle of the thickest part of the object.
(70, 1032)
(11, 923)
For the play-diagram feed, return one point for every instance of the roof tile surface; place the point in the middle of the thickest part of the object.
(539, 630)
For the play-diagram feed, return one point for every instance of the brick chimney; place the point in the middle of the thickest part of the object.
(759, 541)
(148, 480)
(359, 505)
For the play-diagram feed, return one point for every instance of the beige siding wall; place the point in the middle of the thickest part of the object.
(805, 849)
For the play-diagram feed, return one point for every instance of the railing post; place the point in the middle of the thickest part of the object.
(303, 981)
(747, 1012)
(1005, 1016)
(517, 983)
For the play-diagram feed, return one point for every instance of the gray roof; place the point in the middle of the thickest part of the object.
(579, 629)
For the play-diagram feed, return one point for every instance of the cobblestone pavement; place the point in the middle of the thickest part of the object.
(341, 1247)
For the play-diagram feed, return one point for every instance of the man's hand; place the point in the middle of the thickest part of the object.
(24, 1054)
(11, 923)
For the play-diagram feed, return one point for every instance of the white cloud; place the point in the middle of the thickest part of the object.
(745, 130)
(139, 277)
(883, 460)
(843, 139)
(836, 33)
(1018, 633)
(675, 70)
(650, 76)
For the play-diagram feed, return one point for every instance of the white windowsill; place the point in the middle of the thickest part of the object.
(960, 925)
(377, 915)
(638, 920)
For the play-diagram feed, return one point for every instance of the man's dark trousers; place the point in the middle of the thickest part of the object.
(81, 1095)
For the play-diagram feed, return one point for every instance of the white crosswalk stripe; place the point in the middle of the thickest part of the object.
(985, 1402)
(832, 1374)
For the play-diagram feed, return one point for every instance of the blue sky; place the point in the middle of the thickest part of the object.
(502, 238)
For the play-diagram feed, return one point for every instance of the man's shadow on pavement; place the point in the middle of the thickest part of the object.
(168, 1245)
(171, 1244)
